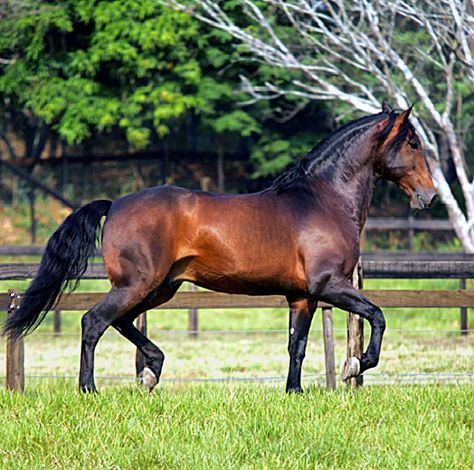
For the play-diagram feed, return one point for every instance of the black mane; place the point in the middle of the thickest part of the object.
(298, 176)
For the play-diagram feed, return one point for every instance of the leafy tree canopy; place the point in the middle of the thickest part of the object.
(82, 66)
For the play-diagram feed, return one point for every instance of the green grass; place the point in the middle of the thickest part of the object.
(235, 427)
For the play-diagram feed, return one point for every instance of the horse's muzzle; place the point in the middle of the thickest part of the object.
(422, 200)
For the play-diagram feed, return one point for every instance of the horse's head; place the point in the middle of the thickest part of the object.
(400, 158)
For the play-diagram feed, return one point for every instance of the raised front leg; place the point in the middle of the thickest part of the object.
(341, 294)
(301, 314)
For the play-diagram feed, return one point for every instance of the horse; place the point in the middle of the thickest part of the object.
(298, 238)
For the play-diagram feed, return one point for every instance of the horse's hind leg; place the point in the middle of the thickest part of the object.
(301, 314)
(94, 323)
(153, 355)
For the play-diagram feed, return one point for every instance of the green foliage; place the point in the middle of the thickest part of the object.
(275, 152)
(272, 155)
(86, 67)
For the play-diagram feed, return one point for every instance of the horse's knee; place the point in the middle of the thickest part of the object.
(378, 319)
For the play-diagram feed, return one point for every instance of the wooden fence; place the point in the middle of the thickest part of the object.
(374, 266)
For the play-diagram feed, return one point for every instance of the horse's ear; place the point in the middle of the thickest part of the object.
(393, 127)
(386, 108)
(406, 114)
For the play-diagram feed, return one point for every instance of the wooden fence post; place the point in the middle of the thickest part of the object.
(139, 359)
(33, 227)
(57, 322)
(329, 356)
(411, 233)
(463, 310)
(355, 329)
(15, 379)
(193, 319)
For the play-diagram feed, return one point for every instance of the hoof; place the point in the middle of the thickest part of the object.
(88, 389)
(294, 390)
(148, 378)
(351, 368)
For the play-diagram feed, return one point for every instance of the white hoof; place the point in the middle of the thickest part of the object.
(148, 378)
(351, 368)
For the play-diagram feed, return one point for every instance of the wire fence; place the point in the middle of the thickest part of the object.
(370, 378)
(187, 332)
(317, 379)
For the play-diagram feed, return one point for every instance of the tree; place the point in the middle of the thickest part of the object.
(75, 69)
(80, 67)
(360, 53)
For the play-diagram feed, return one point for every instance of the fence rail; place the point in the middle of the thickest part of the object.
(215, 300)
(374, 266)
(410, 223)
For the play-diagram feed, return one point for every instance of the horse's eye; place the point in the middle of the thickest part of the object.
(413, 144)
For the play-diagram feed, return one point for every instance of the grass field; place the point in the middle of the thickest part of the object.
(235, 427)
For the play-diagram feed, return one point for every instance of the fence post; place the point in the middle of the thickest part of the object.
(57, 322)
(15, 379)
(32, 197)
(355, 329)
(139, 359)
(329, 356)
(193, 319)
(464, 321)
(411, 232)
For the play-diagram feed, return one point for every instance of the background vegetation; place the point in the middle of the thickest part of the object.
(136, 72)
(77, 72)
(82, 68)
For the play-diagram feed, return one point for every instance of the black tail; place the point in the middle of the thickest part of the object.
(64, 260)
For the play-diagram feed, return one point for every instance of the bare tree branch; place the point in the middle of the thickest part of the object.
(353, 52)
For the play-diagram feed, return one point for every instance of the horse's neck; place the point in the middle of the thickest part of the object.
(362, 187)
(356, 184)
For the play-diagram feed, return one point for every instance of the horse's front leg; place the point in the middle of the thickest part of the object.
(341, 294)
(301, 314)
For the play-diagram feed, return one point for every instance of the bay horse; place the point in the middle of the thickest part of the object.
(298, 238)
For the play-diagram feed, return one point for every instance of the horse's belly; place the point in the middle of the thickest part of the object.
(252, 280)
